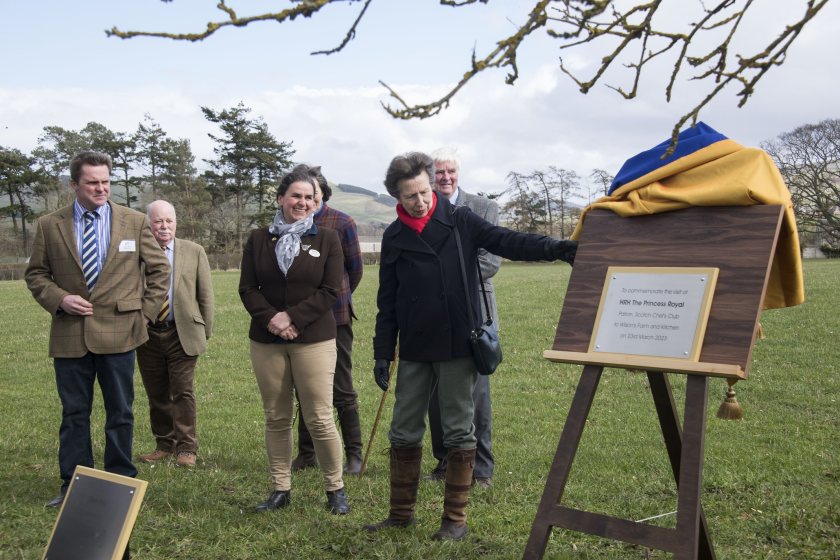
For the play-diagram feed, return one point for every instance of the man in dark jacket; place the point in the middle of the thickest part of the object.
(447, 169)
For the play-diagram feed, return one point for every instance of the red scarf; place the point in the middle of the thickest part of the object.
(417, 224)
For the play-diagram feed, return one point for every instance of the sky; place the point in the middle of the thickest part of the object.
(59, 68)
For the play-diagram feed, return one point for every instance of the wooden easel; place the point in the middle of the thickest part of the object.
(740, 241)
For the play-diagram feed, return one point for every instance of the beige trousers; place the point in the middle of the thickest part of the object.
(309, 370)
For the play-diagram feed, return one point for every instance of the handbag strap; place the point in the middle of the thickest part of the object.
(464, 277)
(483, 291)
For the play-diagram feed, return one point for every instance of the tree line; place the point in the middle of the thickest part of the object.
(809, 160)
(235, 193)
(808, 157)
(215, 208)
(548, 200)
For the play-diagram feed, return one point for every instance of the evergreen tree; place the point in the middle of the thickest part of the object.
(270, 160)
(180, 185)
(151, 149)
(248, 158)
(19, 175)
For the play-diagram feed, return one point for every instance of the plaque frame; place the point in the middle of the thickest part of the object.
(699, 325)
(100, 535)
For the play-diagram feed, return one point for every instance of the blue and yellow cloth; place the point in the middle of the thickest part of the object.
(708, 169)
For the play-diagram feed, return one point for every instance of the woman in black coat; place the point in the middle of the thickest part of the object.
(422, 308)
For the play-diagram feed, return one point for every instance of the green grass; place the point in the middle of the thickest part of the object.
(771, 482)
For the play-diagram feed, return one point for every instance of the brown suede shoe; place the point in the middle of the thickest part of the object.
(483, 482)
(156, 455)
(438, 473)
(450, 531)
(186, 459)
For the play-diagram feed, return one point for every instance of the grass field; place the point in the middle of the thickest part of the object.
(771, 482)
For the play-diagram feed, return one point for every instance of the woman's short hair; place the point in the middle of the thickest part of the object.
(88, 157)
(408, 166)
(447, 155)
(326, 191)
(300, 172)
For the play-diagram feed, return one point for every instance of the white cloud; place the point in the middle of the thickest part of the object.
(543, 82)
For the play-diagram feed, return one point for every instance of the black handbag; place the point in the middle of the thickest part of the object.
(484, 340)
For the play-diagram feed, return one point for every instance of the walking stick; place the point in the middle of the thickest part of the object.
(391, 380)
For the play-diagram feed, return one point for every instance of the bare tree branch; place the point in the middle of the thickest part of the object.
(456, 3)
(351, 33)
(306, 9)
(715, 65)
(631, 34)
(503, 55)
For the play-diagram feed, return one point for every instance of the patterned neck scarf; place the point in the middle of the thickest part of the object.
(288, 244)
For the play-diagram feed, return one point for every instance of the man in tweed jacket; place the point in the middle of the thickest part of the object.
(447, 166)
(96, 326)
(176, 338)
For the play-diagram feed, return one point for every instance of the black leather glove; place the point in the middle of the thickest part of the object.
(381, 374)
(565, 251)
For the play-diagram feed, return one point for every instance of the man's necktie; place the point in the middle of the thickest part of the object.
(90, 251)
(164, 311)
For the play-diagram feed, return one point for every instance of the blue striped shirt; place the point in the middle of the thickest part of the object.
(103, 229)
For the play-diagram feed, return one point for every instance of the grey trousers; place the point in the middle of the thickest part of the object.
(415, 383)
(483, 422)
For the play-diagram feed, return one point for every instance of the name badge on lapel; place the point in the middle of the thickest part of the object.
(315, 253)
(127, 246)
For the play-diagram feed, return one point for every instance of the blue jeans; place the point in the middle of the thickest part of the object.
(74, 378)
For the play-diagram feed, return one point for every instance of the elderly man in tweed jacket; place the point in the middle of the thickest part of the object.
(176, 338)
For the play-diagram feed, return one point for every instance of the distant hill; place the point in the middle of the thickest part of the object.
(372, 211)
(385, 199)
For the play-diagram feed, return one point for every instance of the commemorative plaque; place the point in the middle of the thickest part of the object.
(654, 311)
(97, 516)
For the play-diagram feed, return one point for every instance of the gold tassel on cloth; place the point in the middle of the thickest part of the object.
(730, 409)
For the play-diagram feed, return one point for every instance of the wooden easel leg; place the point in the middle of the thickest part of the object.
(691, 466)
(685, 451)
(562, 465)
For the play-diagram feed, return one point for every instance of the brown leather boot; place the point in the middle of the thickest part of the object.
(405, 477)
(459, 473)
(351, 434)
